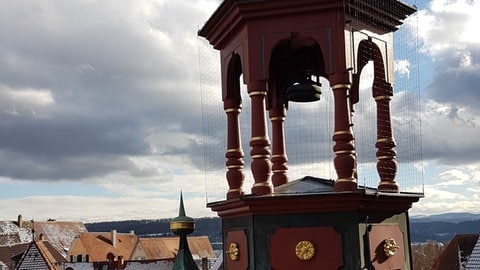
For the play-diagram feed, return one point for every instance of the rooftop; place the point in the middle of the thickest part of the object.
(167, 247)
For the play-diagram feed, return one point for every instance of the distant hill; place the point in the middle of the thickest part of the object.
(448, 217)
(443, 227)
(440, 228)
(160, 227)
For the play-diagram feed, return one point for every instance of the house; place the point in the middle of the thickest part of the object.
(166, 248)
(59, 233)
(41, 255)
(15, 237)
(100, 247)
(458, 252)
(113, 250)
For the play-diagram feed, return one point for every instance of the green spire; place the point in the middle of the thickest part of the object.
(183, 225)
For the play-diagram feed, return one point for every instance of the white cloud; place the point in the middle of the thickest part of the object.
(455, 189)
(449, 25)
(402, 67)
(21, 101)
(443, 201)
(92, 209)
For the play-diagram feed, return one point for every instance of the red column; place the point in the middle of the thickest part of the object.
(344, 149)
(279, 155)
(234, 154)
(259, 142)
(386, 154)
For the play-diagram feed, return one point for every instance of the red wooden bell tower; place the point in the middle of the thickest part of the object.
(282, 47)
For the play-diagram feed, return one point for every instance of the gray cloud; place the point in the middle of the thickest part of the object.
(112, 74)
(457, 78)
(450, 134)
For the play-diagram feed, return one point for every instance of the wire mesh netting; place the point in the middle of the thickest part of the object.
(309, 126)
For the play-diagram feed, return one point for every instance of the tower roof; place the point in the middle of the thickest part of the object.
(379, 16)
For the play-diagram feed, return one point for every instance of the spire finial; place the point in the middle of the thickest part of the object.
(182, 224)
(181, 210)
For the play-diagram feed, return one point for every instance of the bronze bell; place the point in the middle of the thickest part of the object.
(304, 90)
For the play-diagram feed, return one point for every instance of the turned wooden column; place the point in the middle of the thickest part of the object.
(234, 154)
(279, 155)
(259, 142)
(386, 154)
(344, 148)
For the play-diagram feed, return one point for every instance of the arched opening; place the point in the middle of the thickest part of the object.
(382, 93)
(296, 72)
(364, 119)
(234, 71)
(296, 65)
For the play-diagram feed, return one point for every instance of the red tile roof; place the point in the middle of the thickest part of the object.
(167, 247)
(98, 245)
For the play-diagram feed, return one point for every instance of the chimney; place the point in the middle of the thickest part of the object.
(114, 238)
(120, 261)
(20, 221)
(132, 232)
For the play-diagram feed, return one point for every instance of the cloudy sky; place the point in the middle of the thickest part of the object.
(101, 114)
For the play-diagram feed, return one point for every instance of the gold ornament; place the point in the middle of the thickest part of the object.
(233, 251)
(305, 250)
(390, 246)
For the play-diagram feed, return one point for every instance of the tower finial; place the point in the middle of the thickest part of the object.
(181, 210)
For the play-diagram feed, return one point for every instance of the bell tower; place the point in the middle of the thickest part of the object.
(282, 48)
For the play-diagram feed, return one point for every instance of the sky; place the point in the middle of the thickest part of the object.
(101, 114)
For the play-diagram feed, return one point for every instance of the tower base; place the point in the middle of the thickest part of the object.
(316, 229)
